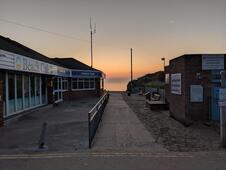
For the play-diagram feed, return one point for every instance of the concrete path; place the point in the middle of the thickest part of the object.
(121, 129)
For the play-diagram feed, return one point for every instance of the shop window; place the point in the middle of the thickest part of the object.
(19, 92)
(83, 84)
(32, 80)
(44, 96)
(23, 92)
(80, 84)
(74, 84)
(11, 92)
(37, 91)
(86, 83)
(92, 83)
(26, 92)
(55, 84)
(65, 83)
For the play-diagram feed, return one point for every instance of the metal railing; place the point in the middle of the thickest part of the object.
(95, 115)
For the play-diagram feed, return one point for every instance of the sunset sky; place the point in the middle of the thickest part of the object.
(153, 28)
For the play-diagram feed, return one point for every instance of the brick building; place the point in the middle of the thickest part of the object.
(192, 86)
(29, 79)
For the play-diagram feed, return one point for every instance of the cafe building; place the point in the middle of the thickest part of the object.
(192, 85)
(29, 79)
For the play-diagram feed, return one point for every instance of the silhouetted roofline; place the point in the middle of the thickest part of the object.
(9, 45)
(72, 63)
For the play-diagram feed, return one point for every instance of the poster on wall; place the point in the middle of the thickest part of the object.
(196, 93)
(222, 97)
(212, 62)
(176, 83)
(167, 78)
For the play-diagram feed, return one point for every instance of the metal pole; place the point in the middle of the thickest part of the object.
(91, 36)
(223, 114)
(131, 68)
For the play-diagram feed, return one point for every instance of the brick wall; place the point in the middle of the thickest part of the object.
(196, 76)
(73, 95)
(192, 74)
(176, 102)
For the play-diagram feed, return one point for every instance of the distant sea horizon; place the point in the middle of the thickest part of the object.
(116, 84)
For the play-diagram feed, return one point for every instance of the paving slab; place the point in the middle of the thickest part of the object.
(121, 129)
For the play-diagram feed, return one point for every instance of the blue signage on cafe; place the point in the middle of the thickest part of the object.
(85, 73)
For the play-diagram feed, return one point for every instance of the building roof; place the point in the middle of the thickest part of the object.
(12, 46)
(72, 63)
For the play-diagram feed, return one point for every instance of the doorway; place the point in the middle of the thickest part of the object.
(57, 89)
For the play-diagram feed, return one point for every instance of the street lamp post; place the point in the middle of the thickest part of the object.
(163, 59)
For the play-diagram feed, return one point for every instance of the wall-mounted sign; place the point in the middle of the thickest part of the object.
(212, 62)
(222, 97)
(13, 61)
(176, 83)
(196, 93)
(86, 73)
(167, 78)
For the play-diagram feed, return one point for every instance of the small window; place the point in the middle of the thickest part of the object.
(65, 83)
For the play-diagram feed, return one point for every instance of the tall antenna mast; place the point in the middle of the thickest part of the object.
(92, 31)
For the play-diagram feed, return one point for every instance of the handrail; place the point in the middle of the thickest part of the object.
(95, 118)
(98, 102)
(98, 105)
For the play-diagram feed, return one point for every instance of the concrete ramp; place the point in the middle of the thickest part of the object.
(121, 129)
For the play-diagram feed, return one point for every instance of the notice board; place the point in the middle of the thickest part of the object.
(196, 93)
(176, 83)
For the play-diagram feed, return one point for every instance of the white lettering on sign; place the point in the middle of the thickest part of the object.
(176, 83)
(212, 61)
(13, 61)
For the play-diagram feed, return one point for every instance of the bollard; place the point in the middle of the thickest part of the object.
(42, 140)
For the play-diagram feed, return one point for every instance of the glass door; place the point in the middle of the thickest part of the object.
(57, 89)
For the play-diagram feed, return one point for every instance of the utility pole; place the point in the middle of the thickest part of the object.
(92, 31)
(131, 51)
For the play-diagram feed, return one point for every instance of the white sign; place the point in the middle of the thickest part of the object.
(13, 61)
(196, 93)
(222, 97)
(176, 83)
(222, 94)
(212, 62)
(167, 78)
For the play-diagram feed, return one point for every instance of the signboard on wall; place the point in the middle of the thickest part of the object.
(167, 78)
(212, 62)
(176, 83)
(222, 97)
(85, 73)
(13, 61)
(196, 93)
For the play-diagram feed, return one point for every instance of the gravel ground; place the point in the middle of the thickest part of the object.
(172, 134)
